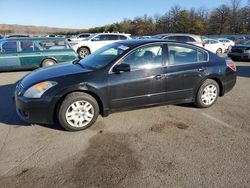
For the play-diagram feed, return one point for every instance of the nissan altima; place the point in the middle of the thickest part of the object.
(122, 76)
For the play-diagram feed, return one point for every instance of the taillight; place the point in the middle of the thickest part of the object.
(231, 64)
(203, 44)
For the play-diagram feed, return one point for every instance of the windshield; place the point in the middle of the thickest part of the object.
(104, 56)
(90, 36)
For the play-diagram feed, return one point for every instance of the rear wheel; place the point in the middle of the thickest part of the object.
(208, 94)
(48, 62)
(83, 52)
(78, 111)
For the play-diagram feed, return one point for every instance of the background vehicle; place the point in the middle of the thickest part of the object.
(123, 75)
(228, 44)
(16, 35)
(79, 37)
(95, 42)
(214, 46)
(188, 38)
(240, 52)
(30, 53)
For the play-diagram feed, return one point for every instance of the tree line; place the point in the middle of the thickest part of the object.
(231, 18)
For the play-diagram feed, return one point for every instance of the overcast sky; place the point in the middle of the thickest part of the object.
(89, 13)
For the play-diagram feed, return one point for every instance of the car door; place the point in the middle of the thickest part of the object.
(144, 84)
(29, 54)
(9, 59)
(186, 68)
(99, 41)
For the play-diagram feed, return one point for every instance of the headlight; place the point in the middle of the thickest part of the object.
(36, 91)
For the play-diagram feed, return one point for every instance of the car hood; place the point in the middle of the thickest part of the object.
(52, 72)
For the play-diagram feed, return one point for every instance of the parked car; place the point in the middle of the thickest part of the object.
(31, 53)
(188, 38)
(228, 44)
(214, 46)
(17, 36)
(79, 37)
(240, 52)
(124, 75)
(95, 42)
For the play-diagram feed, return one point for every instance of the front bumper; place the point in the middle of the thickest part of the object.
(241, 56)
(36, 110)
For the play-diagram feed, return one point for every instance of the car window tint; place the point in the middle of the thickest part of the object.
(178, 55)
(145, 58)
(173, 38)
(27, 46)
(53, 44)
(202, 56)
(113, 37)
(121, 37)
(9, 47)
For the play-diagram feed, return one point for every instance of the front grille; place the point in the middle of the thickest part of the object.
(19, 89)
(237, 50)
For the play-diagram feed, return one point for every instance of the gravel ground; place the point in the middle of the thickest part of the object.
(167, 146)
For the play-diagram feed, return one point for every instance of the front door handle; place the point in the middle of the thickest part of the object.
(159, 77)
(201, 69)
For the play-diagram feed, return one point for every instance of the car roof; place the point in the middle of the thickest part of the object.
(33, 38)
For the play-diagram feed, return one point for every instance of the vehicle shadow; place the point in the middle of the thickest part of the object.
(8, 115)
(243, 71)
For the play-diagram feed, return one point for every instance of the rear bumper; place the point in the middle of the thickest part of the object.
(35, 110)
(229, 82)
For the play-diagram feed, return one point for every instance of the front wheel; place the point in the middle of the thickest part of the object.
(78, 111)
(208, 94)
(48, 62)
(83, 52)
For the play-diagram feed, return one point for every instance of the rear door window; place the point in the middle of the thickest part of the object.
(53, 44)
(180, 54)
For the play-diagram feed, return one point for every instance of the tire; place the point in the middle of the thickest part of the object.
(83, 52)
(48, 62)
(207, 94)
(78, 111)
(219, 51)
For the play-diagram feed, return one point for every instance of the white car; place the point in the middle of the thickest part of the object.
(95, 42)
(181, 37)
(79, 37)
(228, 44)
(214, 46)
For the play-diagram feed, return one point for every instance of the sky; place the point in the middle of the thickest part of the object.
(85, 14)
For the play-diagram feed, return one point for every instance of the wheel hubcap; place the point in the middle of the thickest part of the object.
(83, 53)
(79, 113)
(209, 94)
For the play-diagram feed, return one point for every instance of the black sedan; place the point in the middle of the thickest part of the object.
(240, 52)
(122, 76)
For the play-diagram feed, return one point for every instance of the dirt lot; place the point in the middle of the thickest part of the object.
(168, 146)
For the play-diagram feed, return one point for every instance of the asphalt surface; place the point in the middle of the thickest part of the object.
(167, 146)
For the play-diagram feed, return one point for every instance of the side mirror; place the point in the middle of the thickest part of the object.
(121, 68)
